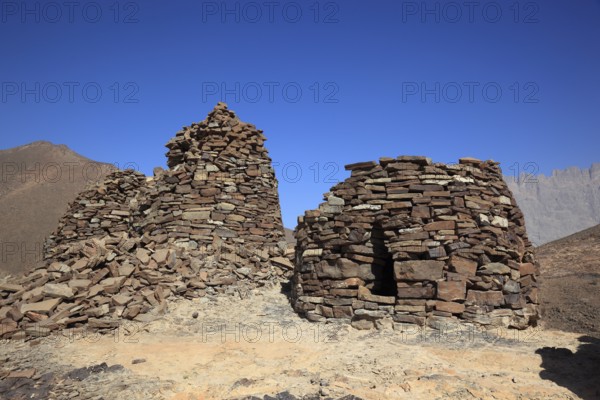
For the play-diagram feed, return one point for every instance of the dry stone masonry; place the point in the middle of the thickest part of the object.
(106, 208)
(412, 241)
(210, 224)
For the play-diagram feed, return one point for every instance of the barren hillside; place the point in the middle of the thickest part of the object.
(558, 205)
(570, 282)
(37, 181)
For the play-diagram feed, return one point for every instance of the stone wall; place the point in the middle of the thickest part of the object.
(210, 224)
(417, 242)
(108, 207)
(220, 189)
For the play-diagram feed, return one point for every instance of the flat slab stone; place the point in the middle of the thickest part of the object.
(418, 270)
(41, 307)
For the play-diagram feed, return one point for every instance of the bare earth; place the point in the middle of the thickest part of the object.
(257, 346)
(570, 281)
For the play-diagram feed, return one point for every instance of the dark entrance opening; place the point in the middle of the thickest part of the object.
(383, 266)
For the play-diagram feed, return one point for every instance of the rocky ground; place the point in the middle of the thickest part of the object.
(570, 279)
(257, 348)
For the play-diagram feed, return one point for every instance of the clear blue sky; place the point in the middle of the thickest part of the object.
(377, 79)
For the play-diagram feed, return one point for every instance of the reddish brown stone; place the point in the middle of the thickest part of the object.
(343, 311)
(427, 292)
(440, 225)
(446, 306)
(463, 266)
(485, 298)
(527, 269)
(451, 290)
(421, 212)
(419, 270)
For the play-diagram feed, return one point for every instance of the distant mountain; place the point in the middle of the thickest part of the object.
(37, 182)
(570, 281)
(289, 236)
(556, 206)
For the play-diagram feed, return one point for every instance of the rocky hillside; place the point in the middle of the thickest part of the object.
(559, 205)
(37, 182)
(570, 282)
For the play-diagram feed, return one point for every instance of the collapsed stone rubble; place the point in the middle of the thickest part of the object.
(209, 224)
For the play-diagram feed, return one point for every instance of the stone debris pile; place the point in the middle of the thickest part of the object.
(407, 240)
(106, 208)
(210, 224)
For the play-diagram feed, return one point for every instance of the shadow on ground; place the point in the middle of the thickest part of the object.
(579, 372)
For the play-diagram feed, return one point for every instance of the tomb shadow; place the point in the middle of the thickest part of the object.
(577, 371)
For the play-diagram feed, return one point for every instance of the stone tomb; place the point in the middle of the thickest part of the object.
(413, 241)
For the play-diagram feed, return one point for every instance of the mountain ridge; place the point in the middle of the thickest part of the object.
(38, 181)
(560, 204)
(570, 277)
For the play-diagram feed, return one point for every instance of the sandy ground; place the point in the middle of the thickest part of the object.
(258, 346)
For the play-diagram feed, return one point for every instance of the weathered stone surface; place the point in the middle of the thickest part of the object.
(348, 268)
(121, 300)
(418, 270)
(500, 221)
(282, 261)
(494, 268)
(463, 266)
(440, 225)
(365, 294)
(362, 324)
(60, 290)
(40, 307)
(9, 287)
(160, 255)
(143, 255)
(527, 269)
(196, 215)
(451, 290)
(312, 252)
(427, 292)
(451, 307)
(485, 298)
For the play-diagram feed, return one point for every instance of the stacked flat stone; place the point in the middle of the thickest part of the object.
(412, 241)
(220, 189)
(105, 208)
(210, 224)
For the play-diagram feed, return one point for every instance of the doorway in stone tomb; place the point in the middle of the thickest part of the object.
(383, 266)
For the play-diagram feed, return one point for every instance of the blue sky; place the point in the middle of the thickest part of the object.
(330, 83)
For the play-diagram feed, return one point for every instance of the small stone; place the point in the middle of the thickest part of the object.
(60, 290)
(312, 252)
(8, 287)
(41, 307)
(451, 290)
(225, 206)
(500, 222)
(335, 201)
(494, 269)
(363, 324)
(160, 255)
(483, 220)
(121, 300)
(143, 255)
(284, 262)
